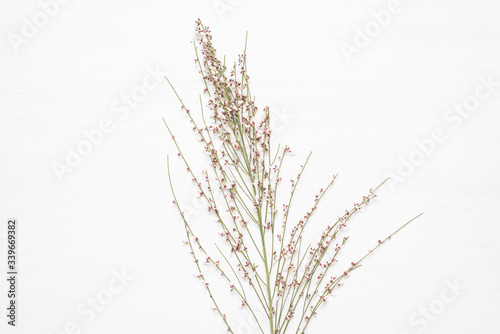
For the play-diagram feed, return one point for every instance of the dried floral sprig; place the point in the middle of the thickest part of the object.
(289, 279)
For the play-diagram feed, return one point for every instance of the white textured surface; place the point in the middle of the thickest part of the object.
(113, 211)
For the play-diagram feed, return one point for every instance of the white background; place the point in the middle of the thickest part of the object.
(113, 211)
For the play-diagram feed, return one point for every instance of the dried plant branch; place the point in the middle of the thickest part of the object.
(287, 280)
